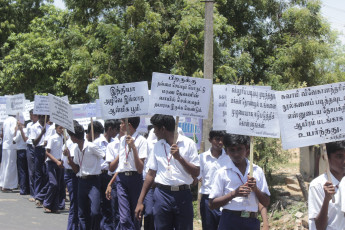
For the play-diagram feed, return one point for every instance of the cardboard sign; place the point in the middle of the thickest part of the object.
(180, 95)
(28, 106)
(15, 104)
(41, 105)
(85, 110)
(2, 100)
(313, 115)
(124, 100)
(3, 114)
(61, 112)
(252, 111)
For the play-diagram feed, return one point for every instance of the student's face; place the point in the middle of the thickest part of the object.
(159, 132)
(237, 153)
(217, 143)
(59, 130)
(337, 161)
(123, 126)
(73, 139)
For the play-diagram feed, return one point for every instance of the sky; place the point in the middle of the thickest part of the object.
(332, 10)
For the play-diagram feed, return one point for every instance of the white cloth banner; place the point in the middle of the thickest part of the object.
(61, 112)
(124, 100)
(252, 111)
(41, 105)
(311, 116)
(85, 110)
(180, 95)
(15, 104)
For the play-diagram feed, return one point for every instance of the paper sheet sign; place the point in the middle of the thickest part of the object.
(41, 105)
(15, 104)
(28, 106)
(124, 100)
(313, 115)
(252, 111)
(180, 95)
(61, 112)
(85, 110)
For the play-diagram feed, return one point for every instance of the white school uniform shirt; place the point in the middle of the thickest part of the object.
(21, 144)
(50, 131)
(150, 145)
(208, 169)
(112, 151)
(336, 219)
(28, 131)
(55, 144)
(35, 132)
(125, 156)
(342, 194)
(229, 178)
(9, 126)
(89, 159)
(70, 145)
(160, 156)
(102, 143)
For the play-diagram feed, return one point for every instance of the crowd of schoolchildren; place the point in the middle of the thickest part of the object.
(118, 179)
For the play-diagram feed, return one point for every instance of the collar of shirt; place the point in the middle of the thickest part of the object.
(232, 166)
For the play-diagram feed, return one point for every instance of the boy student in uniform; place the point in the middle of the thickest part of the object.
(87, 164)
(55, 170)
(237, 192)
(208, 160)
(172, 167)
(132, 154)
(323, 213)
(30, 150)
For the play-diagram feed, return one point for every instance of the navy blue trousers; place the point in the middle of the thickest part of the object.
(173, 210)
(128, 191)
(89, 203)
(52, 198)
(210, 218)
(229, 221)
(115, 204)
(23, 173)
(30, 151)
(71, 181)
(107, 221)
(40, 174)
(148, 214)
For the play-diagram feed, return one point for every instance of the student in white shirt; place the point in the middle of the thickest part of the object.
(208, 160)
(22, 163)
(237, 192)
(54, 170)
(87, 164)
(172, 167)
(132, 154)
(8, 169)
(323, 213)
(30, 150)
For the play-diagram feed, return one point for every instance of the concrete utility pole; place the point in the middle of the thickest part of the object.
(208, 68)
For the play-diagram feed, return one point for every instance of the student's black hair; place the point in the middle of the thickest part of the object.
(78, 131)
(161, 120)
(56, 125)
(111, 123)
(216, 133)
(31, 111)
(333, 147)
(134, 121)
(233, 139)
(97, 127)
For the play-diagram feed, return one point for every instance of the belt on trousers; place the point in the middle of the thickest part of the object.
(173, 188)
(129, 173)
(105, 171)
(244, 214)
(69, 170)
(89, 177)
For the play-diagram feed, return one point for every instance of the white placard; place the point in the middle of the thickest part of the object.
(180, 95)
(252, 111)
(61, 112)
(85, 110)
(313, 115)
(15, 104)
(41, 105)
(3, 114)
(124, 100)
(28, 106)
(2, 100)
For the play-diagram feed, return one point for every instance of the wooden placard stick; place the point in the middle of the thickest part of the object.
(45, 120)
(328, 172)
(92, 134)
(176, 129)
(251, 156)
